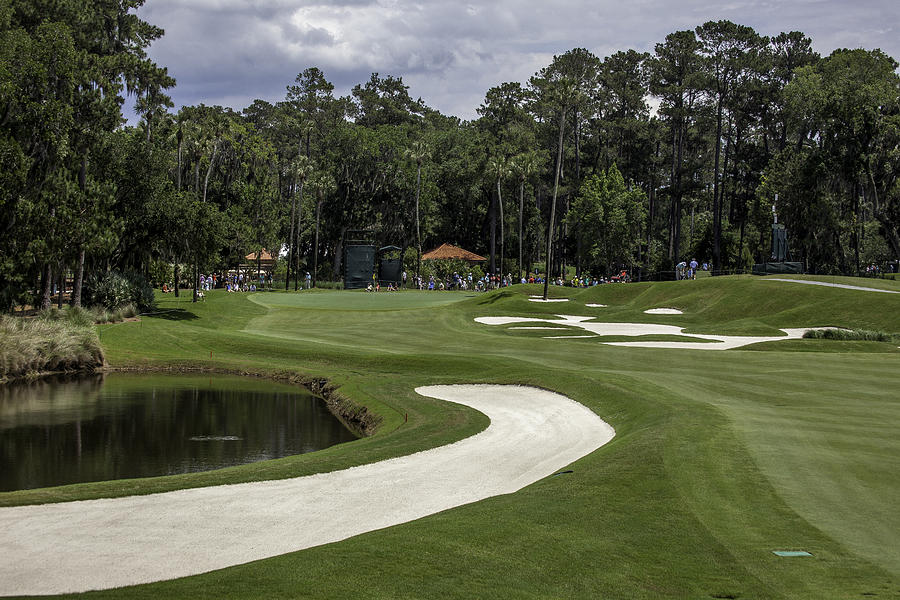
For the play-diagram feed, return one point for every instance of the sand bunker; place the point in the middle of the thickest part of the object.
(834, 285)
(548, 300)
(663, 311)
(99, 544)
(595, 305)
(725, 342)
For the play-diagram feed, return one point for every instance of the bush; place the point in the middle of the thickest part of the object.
(851, 335)
(112, 290)
(161, 272)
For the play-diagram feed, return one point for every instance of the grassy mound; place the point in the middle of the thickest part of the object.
(719, 457)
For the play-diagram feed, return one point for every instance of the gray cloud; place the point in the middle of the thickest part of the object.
(230, 52)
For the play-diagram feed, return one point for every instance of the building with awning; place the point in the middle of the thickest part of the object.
(449, 251)
(263, 260)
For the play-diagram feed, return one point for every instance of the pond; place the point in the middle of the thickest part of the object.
(117, 426)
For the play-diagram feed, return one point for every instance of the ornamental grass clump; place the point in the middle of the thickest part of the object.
(847, 335)
(31, 346)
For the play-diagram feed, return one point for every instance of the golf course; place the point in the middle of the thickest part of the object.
(718, 460)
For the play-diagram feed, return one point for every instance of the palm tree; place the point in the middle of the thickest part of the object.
(418, 152)
(499, 166)
(525, 166)
(299, 170)
(323, 182)
(561, 95)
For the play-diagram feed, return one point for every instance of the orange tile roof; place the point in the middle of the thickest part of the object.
(450, 251)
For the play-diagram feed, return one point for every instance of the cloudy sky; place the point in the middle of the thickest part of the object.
(230, 52)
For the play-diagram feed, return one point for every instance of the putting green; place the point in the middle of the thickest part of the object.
(719, 458)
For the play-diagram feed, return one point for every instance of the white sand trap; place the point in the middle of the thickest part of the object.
(663, 311)
(568, 337)
(835, 285)
(595, 305)
(554, 328)
(548, 300)
(99, 544)
(725, 342)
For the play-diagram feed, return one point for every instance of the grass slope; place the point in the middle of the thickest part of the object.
(719, 457)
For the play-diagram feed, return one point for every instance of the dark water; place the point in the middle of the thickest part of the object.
(122, 426)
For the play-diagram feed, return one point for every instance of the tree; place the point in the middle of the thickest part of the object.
(385, 101)
(499, 168)
(675, 79)
(299, 170)
(727, 49)
(557, 90)
(609, 215)
(323, 183)
(525, 165)
(418, 152)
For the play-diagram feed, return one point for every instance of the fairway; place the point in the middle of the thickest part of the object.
(360, 299)
(719, 459)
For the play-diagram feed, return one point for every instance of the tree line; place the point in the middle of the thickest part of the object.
(636, 160)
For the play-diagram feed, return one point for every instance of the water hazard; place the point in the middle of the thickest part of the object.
(56, 432)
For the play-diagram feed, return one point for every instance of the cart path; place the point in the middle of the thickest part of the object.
(100, 544)
(836, 285)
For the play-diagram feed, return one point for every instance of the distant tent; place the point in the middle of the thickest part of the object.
(445, 251)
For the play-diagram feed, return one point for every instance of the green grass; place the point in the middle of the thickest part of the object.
(719, 457)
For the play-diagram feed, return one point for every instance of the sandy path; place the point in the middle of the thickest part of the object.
(836, 285)
(98, 544)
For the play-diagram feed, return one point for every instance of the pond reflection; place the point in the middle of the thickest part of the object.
(55, 432)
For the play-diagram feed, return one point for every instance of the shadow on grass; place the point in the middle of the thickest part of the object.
(496, 297)
(172, 314)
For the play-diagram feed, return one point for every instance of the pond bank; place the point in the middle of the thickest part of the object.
(356, 417)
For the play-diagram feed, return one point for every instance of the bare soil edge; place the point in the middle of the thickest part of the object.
(85, 369)
(356, 417)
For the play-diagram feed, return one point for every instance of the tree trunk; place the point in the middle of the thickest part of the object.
(290, 263)
(502, 236)
(577, 149)
(315, 272)
(717, 205)
(296, 240)
(418, 234)
(47, 285)
(562, 126)
(180, 136)
(521, 211)
(212, 160)
(61, 285)
(176, 273)
(493, 217)
(78, 284)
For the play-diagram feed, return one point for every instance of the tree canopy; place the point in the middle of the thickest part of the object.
(631, 161)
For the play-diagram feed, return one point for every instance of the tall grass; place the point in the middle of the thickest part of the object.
(862, 335)
(86, 317)
(38, 345)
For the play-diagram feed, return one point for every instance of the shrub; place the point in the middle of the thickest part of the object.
(113, 289)
(851, 335)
